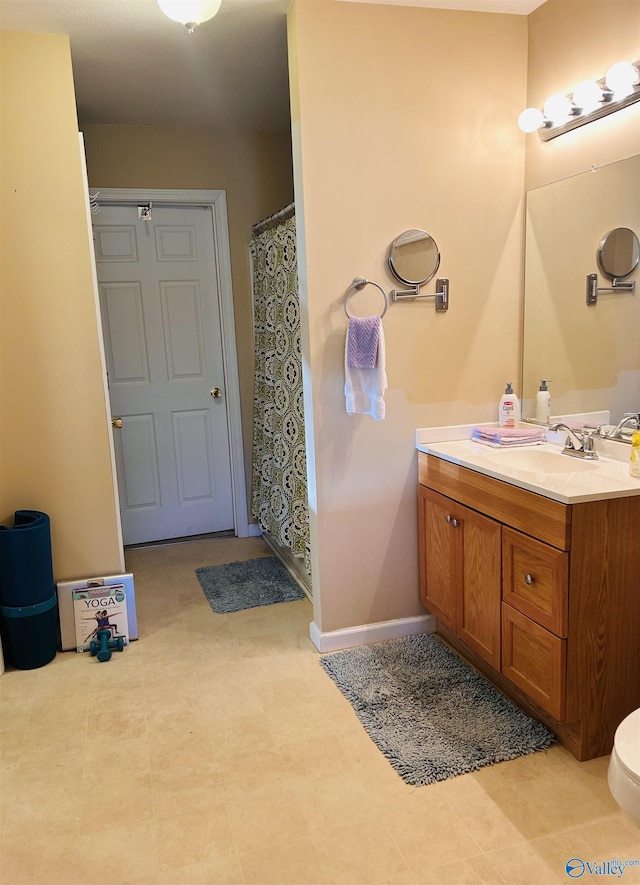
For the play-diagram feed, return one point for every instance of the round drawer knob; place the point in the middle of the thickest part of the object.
(528, 579)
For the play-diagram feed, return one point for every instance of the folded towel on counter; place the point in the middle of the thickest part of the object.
(364, 387)
(363, 337)
(509, 436)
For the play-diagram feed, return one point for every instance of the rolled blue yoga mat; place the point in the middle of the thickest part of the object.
(28, 600)
(29, 633)
(26, 564)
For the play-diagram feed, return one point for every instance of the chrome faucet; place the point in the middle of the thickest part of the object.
(628, 418)
(579, 443)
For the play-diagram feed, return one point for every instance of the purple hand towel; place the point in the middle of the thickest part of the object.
(363, 336)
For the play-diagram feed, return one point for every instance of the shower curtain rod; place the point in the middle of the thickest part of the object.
(266, 223)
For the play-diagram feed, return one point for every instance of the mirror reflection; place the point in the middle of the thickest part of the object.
(619, 253)
(592, 353)
(414, 257)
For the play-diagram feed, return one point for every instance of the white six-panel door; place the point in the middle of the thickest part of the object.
(163, 345)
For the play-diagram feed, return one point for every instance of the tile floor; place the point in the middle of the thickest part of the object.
(215, 750)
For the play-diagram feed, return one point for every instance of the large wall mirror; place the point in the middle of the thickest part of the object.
(590, 353)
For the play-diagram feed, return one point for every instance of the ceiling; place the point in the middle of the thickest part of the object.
(131, 64)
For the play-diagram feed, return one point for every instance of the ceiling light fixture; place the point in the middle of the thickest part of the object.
(190, 13)
(590, 100)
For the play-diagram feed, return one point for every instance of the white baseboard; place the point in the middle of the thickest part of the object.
(368, 633)
(250, 531)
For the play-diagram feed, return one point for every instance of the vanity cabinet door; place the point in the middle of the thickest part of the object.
(460, 571)
(478, 621)
(439, 553)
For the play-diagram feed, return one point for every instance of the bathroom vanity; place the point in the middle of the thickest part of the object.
(531, 565)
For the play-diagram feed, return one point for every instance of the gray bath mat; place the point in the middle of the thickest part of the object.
(428, 712)
(238, 585)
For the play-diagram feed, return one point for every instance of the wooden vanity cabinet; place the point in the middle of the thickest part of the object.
(542, 597)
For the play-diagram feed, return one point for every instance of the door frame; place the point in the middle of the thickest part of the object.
(216, 202)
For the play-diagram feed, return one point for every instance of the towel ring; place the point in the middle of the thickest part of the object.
(360, 283)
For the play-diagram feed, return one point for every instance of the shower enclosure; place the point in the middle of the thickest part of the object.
(279, 476)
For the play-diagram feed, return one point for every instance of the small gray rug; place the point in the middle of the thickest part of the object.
(238, 585)
(428, 712)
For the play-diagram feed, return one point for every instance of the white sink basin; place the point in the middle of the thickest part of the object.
(536, 460)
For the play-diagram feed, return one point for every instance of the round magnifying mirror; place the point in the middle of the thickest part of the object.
(619, 253)
(414, 257)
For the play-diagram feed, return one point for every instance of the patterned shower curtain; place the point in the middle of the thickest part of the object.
(279, 480)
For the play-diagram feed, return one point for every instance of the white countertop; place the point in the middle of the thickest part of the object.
(570, 480)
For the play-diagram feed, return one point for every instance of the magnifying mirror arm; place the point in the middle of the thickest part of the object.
(441, 295)
(399, 294)
(617, 285)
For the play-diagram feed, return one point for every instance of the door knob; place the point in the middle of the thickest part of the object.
(116, 422)
(216, 392)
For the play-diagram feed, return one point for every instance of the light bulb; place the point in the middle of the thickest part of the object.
(621, 79)
(557, 108)
(587, 96)
(189, 13)
(530, 120)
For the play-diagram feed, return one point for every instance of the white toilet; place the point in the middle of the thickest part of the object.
(624, 767)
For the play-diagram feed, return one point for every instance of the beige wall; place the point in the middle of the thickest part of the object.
(570, 41)
(54, 436)
(402, 117)
(253, 168)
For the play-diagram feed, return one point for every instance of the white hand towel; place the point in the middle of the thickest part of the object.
(364, 388)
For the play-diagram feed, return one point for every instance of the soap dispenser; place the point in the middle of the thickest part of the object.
(509, 410)
(634, 466)
(543, 403)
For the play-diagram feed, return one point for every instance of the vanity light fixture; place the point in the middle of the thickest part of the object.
(190, 13)
(590, 100)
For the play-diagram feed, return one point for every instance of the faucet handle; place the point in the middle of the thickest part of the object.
(588, 441)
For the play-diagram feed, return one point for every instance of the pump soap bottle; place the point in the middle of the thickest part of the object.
(543, 403)
(509, 411)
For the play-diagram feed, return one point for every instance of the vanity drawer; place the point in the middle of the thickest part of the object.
(534, 660)
(535, 580)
